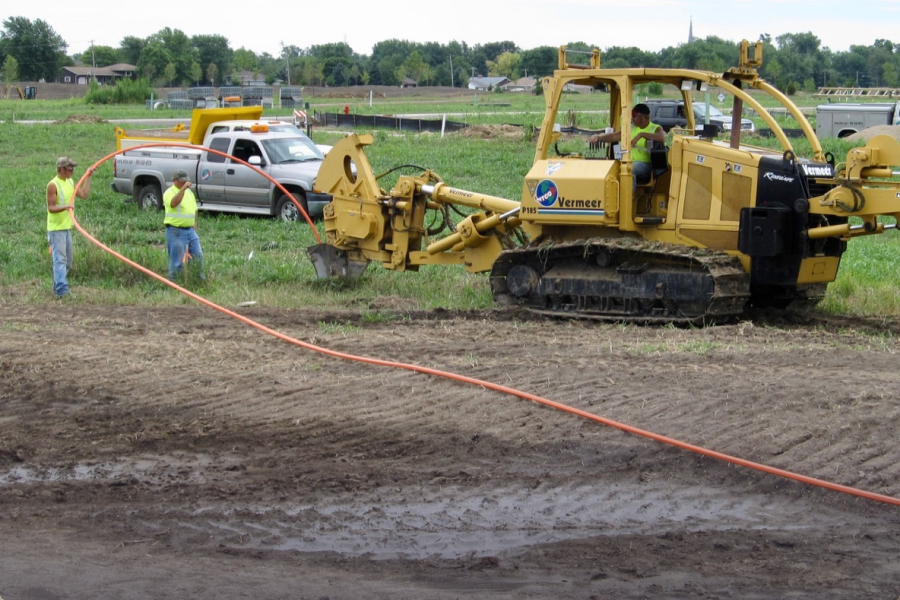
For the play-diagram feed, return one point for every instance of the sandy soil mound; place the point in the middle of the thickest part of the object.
(489, 132)
(82, 119)
(868, 134)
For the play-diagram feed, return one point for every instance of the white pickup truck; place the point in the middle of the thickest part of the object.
(842, 119)
(279, 149)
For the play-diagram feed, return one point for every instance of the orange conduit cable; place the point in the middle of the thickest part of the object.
(836, 487)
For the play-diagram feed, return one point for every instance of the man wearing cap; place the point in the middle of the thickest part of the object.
(181, 221)
(643, 133)
(60, 198)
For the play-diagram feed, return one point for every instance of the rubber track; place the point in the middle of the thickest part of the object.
(731, 281)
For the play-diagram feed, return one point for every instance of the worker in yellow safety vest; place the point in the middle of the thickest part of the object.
(181, 225)
(643, 134)
(60, 198)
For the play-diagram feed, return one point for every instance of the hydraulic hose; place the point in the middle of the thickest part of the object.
(479, 382)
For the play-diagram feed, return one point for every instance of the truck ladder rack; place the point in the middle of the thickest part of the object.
(857, 92)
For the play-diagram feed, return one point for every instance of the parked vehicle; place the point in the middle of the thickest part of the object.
(670, 113)
(843, 119)
(273, 125)
(279, 149)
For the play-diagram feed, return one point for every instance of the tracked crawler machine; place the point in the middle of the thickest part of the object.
(719, 223)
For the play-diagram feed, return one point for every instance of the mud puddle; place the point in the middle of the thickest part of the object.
(152, 470)
(414, 524)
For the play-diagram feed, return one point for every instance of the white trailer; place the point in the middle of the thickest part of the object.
(843, 119)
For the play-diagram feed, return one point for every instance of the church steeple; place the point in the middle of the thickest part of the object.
(691, 31)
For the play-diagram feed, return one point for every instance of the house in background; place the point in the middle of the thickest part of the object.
(578, 89)
(248, 78)
(487, 83)
(409, 83)
(523, 84)
(103, 75)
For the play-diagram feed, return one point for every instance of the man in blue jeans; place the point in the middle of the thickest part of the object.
(60, 198)
(181, 222)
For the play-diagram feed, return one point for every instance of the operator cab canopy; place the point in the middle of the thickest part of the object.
(590, 104)
(585, 99)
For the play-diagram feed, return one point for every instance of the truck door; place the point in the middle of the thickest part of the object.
(244, 186)
(670, 116)
(211, 175)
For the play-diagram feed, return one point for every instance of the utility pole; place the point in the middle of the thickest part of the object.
(93, 61)
(287, 62)
(451, 70)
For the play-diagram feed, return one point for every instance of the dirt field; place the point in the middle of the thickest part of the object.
(181, 454)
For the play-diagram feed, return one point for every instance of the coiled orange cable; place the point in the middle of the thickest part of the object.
(471, 380)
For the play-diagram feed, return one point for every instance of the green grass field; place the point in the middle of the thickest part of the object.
(264, 260)
(477, 107)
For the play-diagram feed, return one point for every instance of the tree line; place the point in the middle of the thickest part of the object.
(33, 51)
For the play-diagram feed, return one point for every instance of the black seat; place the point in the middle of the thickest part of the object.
(659, 159)
(659, 163)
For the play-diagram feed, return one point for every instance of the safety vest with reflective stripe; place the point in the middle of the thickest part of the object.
(183, 214)
(639, 151)
(65, 189)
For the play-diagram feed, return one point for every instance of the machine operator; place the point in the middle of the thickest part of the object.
(643, 132)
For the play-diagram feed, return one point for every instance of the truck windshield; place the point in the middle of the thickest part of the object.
(285, 150)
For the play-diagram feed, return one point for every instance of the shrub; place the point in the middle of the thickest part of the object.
(125, 91)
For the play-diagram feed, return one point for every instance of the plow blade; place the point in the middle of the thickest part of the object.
(332, 263)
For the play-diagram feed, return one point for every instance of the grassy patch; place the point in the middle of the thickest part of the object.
(264, 260)
(699, 347)
(866, 283)
(246, 258)
(338, 328)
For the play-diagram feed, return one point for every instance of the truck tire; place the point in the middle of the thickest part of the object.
(287, 210)
(150, 197)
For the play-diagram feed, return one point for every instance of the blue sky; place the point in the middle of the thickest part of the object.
(647, 24)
